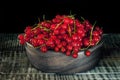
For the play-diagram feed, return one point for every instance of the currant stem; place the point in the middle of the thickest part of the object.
(74, 27)
(69, 30)
(43, 17)
(82, 18)
(36, 26)
(70, 12)
(59, 24)
(44, 28)
(71, 16)
(91, 32)
(85, 48)
(90, 37)
(38, 19)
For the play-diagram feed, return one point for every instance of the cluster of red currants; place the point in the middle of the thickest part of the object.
(64, 33)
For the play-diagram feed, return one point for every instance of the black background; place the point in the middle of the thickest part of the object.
(16, 16)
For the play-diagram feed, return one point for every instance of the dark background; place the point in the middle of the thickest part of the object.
(16, 16)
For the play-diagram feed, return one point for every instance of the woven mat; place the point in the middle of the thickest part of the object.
(14, 64)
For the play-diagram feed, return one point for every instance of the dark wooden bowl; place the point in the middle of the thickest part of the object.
(56, 62)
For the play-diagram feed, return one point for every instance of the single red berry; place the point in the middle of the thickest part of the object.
(92, 43)
(95, 33)
(22, 42)
(63, 49)
(34, 42)
(52, 46)
(96, 38)
(74, 43)
(40, 36)
(64, 26)
(88, 26)
(27, 39)
(49, 42)
(97, 28)
(58, 16)
(56, 31)
(62, 31)
(66, 20)
(59, 45)
(71, 21)
(43, 49)
(87, 53)
(20, 36)
(56, 49)
(47, 25)
(69, 40)
(28, 31)
(80, 37)
(40, 41)
(27, 28)
(36, 31)
(68, 53)
(57, 41)
(60, 37)
(75, 55)
(76, 49)
(63, 43)
(86, 21)
(52, 27)
(75, 37)
(69, 47)
(65, 36)
(56, 20)
(79, 25)
(80, 31)
(53, 37)
(100, 31)
(86, 42)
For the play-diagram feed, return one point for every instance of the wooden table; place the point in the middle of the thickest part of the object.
(14, 64)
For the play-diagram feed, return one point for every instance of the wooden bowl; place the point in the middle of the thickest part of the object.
(56, 62)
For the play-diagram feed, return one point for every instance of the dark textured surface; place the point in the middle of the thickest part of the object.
(14, 64)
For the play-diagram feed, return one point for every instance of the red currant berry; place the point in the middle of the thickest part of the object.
(20, 36)
(63, 49)
(87, 53)
(66, 20)
(43, 49)
(68, 53)
(86, 42)
(95, 33)
(22, 42)
(56, 49)
(75, 55)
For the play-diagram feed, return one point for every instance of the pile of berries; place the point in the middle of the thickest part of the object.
(64, 33)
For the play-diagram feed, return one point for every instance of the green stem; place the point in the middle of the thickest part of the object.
(59, 24)
(44, 28)
(82, 18)
(91, 32)
(72, 16)
(90, 37)
(38, 19)
(74, 27)
(43, 17)
(35, 24)
(69, 30)
(85, 48)
(36, 27)
(70, 12)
